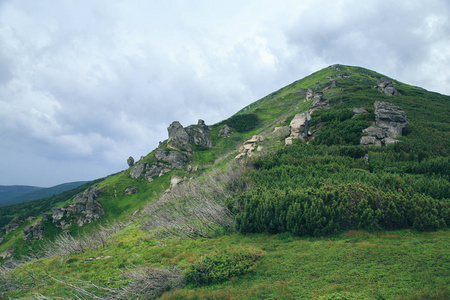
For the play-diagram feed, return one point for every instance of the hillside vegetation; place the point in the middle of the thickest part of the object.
(252, 218)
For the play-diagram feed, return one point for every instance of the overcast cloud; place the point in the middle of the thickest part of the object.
(84, 84)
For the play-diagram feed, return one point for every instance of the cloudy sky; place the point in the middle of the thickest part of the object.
(86, 83)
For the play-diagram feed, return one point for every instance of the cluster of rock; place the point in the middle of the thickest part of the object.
(174, 152)
(85, 209)
(390, 120)
(34, 231)
(386, 86)
(225, 131)
(13, 225)
(319, 103)
(249, 146)
(299, 127)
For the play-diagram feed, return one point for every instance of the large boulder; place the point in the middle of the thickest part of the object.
(299, 126)
(177, 132)
(176, 159)
(386, 86)
(35, 231)
(130, 161)
(13, 225)
(309, 94)
(319, 102)
(391, 117)
(225, 131)
(138, 170)
(131, 190)
(199, 134)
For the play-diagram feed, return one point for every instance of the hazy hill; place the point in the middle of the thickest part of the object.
(10, 194)
(334, 187)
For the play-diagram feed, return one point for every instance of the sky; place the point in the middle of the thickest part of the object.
(84, 84)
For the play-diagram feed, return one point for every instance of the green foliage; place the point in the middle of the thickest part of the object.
(223, 265)
(320, 190)
(242, 123)
(338, 127)
(342, 296)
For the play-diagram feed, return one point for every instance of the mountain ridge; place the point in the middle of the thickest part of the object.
(196, 185)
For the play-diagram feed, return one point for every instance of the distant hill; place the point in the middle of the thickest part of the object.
(11, 194)
(8, 192)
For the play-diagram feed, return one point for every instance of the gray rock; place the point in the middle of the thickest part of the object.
(386, 86)
(299, 126)
(177, 132)
(130, 161)
(344, 75)
(46, 217)
(138, 170)
(58, 213)
(319, 102)
(336, 67)
(152, 171)
(176, 159)
(370, 141)
(309, 94)
(199, 134)
(35, 231)
(131, 190)
(391, 117)
(13, 225)
(376, 132)
(225, 131)
(2, 239)
(333, 83)
(359, 111)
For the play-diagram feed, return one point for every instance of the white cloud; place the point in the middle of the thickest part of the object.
(88, 83)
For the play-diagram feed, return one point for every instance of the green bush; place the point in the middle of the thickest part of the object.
(223, 265)
(242, 123)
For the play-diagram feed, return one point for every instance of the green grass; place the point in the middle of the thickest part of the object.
(401, 264)
(386, 265)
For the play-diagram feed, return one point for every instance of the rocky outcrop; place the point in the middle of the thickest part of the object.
(138, 170)
(175, 159)
(85, 209)
(390, 120)
(13, 225)
(309, 94)
(391, 117)
(131, 190)
(197, 134)
(386, 86)
(177, 132)
(299, 126)
(319, 103)
(35, 231)
(359, 111)
(225, 131)
(175, 180)
(130, 161)
(249, 147)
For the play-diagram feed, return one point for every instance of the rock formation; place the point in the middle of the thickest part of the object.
(13, 225)
(390, 120)
(299, 126)
(130, 161)
(225, 131)
(309, 94)
(319, 102)
(197, 134)
(249, 147)
(35, 231)
(386, 86)
(8, 253)
(85, 209)
(131, 190)
(391, 117)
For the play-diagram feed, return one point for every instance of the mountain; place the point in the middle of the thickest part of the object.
(11, 194)
(333, 187)
(8, 192)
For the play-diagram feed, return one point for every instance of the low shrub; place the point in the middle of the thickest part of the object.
(223, 265)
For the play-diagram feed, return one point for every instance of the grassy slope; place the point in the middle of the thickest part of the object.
(373, 265)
